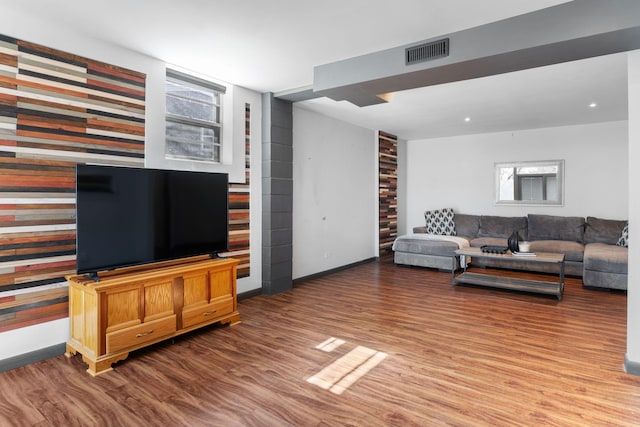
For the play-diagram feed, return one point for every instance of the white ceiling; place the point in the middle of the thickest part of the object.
(557, 95)
(272, 46)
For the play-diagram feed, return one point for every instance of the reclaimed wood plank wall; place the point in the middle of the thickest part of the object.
(388, 191)
(56, 110)
(239, 212)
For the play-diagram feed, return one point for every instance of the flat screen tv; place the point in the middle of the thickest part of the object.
(132, 216)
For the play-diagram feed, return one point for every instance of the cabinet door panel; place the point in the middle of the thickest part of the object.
(158, 300)
(123, 308)
(195, 289)
(221, 283)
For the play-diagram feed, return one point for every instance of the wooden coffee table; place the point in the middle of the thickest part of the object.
(495, 279)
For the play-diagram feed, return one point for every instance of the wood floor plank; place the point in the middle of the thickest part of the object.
(455, 356)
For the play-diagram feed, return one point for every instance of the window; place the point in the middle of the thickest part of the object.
(193, 118)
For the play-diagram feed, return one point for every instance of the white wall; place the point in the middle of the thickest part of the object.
(334, 193)
(457, 172)
(633, 291)
(38, 30)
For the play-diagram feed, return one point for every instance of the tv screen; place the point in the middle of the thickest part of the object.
(130, 216)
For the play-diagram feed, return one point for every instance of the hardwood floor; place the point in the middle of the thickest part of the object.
(461, 356)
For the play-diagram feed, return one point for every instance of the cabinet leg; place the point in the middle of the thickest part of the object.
(70, 351)
(97, 367)
(234, 319)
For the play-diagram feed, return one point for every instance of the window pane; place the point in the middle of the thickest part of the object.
(191, 102)
(194, 142)
(190, 133)
(532, 188)
(552, 188)
(192, 151)
(537, 170)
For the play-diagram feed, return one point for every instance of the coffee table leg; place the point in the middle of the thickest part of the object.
(453, 270)
(561, 284)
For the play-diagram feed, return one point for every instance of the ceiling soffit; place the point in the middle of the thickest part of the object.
(567, 32)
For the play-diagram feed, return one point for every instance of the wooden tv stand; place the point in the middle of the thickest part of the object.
(132, 308)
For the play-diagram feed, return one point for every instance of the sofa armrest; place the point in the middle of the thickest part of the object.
(422, 229)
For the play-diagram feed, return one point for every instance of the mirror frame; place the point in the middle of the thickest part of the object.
(559, 177)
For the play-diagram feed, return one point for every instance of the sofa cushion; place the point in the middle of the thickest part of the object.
(440, 221)
(467, 225)
(490, 241)
(624, 238)
(606, 258)
(502, 226)
(599, 230)
(573, 251)
(552, 227)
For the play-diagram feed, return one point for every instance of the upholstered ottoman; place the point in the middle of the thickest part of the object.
(428, 250)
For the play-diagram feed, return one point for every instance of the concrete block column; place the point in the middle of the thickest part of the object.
(277, 194)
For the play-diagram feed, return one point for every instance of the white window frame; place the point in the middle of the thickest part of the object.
(217, 127)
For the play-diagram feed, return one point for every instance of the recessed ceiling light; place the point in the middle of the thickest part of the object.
(467, 119)
(593, 105)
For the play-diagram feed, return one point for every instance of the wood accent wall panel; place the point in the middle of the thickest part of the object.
(388, 191)
(56, 110)
(239, 212)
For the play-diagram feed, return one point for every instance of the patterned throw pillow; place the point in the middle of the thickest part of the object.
(624, 239)
(440, 221)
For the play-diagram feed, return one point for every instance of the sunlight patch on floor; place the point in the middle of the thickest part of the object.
(339, 375)
(330, 344)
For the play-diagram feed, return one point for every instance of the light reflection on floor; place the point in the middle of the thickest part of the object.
(339, 375)
(330, 344)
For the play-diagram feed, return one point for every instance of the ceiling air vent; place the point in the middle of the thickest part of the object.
(427, 52)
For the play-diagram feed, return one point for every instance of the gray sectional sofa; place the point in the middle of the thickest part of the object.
(594, 248)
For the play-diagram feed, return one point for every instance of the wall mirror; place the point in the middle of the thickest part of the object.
(530, 183)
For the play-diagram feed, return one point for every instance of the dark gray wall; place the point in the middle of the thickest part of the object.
(277, 194)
